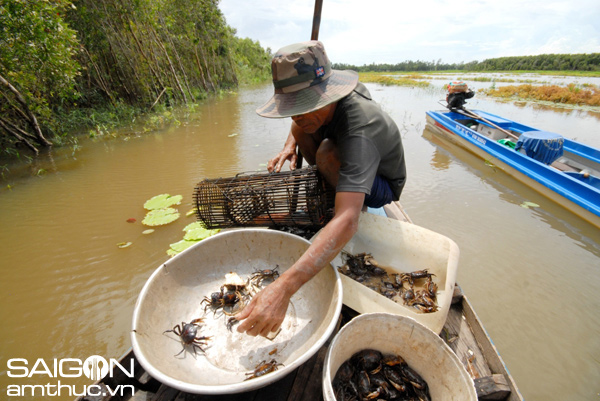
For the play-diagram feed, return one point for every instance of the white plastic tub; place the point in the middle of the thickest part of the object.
(401, 247)
(422, 349)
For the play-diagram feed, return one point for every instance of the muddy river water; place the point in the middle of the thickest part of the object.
(68, 291)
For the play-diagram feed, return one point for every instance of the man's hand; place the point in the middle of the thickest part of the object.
(288, 153)
(266, 311)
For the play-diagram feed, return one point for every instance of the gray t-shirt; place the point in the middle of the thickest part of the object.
(369, 144)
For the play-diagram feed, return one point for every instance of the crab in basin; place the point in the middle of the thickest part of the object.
(259, 276)
(263, 368)
(214, 302)
(188, 334)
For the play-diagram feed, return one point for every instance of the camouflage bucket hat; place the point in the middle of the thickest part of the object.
(304, 81)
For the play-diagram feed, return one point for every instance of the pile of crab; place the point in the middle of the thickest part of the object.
(235, 293)
(232, 297)
(371, 375)
(416, 289)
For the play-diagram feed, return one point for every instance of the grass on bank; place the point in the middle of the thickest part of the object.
(385, 78)
(571, 94)
(505, 72)
(587, 95)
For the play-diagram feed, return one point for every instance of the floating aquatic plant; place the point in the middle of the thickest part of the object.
(198, 234)
(162, 201)
(194, 233)
(179, 247)
(489, 164)
(160, 217)
(528, 204)
(193, 226)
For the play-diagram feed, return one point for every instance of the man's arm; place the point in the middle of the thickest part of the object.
(266, 311)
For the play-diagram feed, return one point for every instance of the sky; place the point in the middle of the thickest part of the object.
(391, 31)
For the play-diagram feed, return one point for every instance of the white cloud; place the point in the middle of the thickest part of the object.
(391, 31)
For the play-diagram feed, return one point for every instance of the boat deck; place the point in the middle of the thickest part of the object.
(462, 331)
(305, 383)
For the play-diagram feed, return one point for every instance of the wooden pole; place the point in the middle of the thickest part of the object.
(313, 36)
(316, 20)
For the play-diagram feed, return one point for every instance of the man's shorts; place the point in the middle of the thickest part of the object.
(381, 193)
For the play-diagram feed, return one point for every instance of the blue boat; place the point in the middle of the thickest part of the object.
(563, 170)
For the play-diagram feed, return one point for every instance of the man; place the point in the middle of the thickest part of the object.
(355, 146)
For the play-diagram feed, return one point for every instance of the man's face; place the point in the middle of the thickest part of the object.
(311, 122)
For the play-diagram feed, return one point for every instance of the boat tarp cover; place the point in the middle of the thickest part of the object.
(542, 146)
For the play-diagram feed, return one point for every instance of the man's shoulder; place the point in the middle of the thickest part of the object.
(362, 91)
(359, 108)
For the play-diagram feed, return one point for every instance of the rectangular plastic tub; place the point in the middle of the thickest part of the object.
(401, 247)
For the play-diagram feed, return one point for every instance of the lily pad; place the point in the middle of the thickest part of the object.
(162, 201)
(182, 245)
(160, 217)
(193, 226)
(198, 234)
(124, 244)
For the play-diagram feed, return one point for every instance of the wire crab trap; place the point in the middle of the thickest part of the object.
(298, 198)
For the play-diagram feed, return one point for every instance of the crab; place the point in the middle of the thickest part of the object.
(259, 276)
(188, 333)
(263, 368)
(215, 301)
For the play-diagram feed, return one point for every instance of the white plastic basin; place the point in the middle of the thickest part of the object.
(174, 292)
(422, 349)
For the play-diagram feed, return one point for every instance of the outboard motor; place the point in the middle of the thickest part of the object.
(458, 93)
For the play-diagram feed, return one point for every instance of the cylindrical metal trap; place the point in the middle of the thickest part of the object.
(298, 198)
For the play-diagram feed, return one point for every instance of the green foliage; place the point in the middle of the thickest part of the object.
(252, 62)
(37, 50)
(143, 50)
(36, 59)
(104, 62)
(542, 62)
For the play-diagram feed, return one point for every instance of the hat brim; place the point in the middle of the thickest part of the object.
(337, 86)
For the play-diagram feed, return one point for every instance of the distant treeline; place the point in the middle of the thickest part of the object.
(542, 62)
(64, 60)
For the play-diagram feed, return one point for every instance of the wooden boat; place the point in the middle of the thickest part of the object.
(565, 171)
(463, 332)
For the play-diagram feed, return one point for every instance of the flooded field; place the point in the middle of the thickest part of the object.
(68, 290)
(478, 80)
